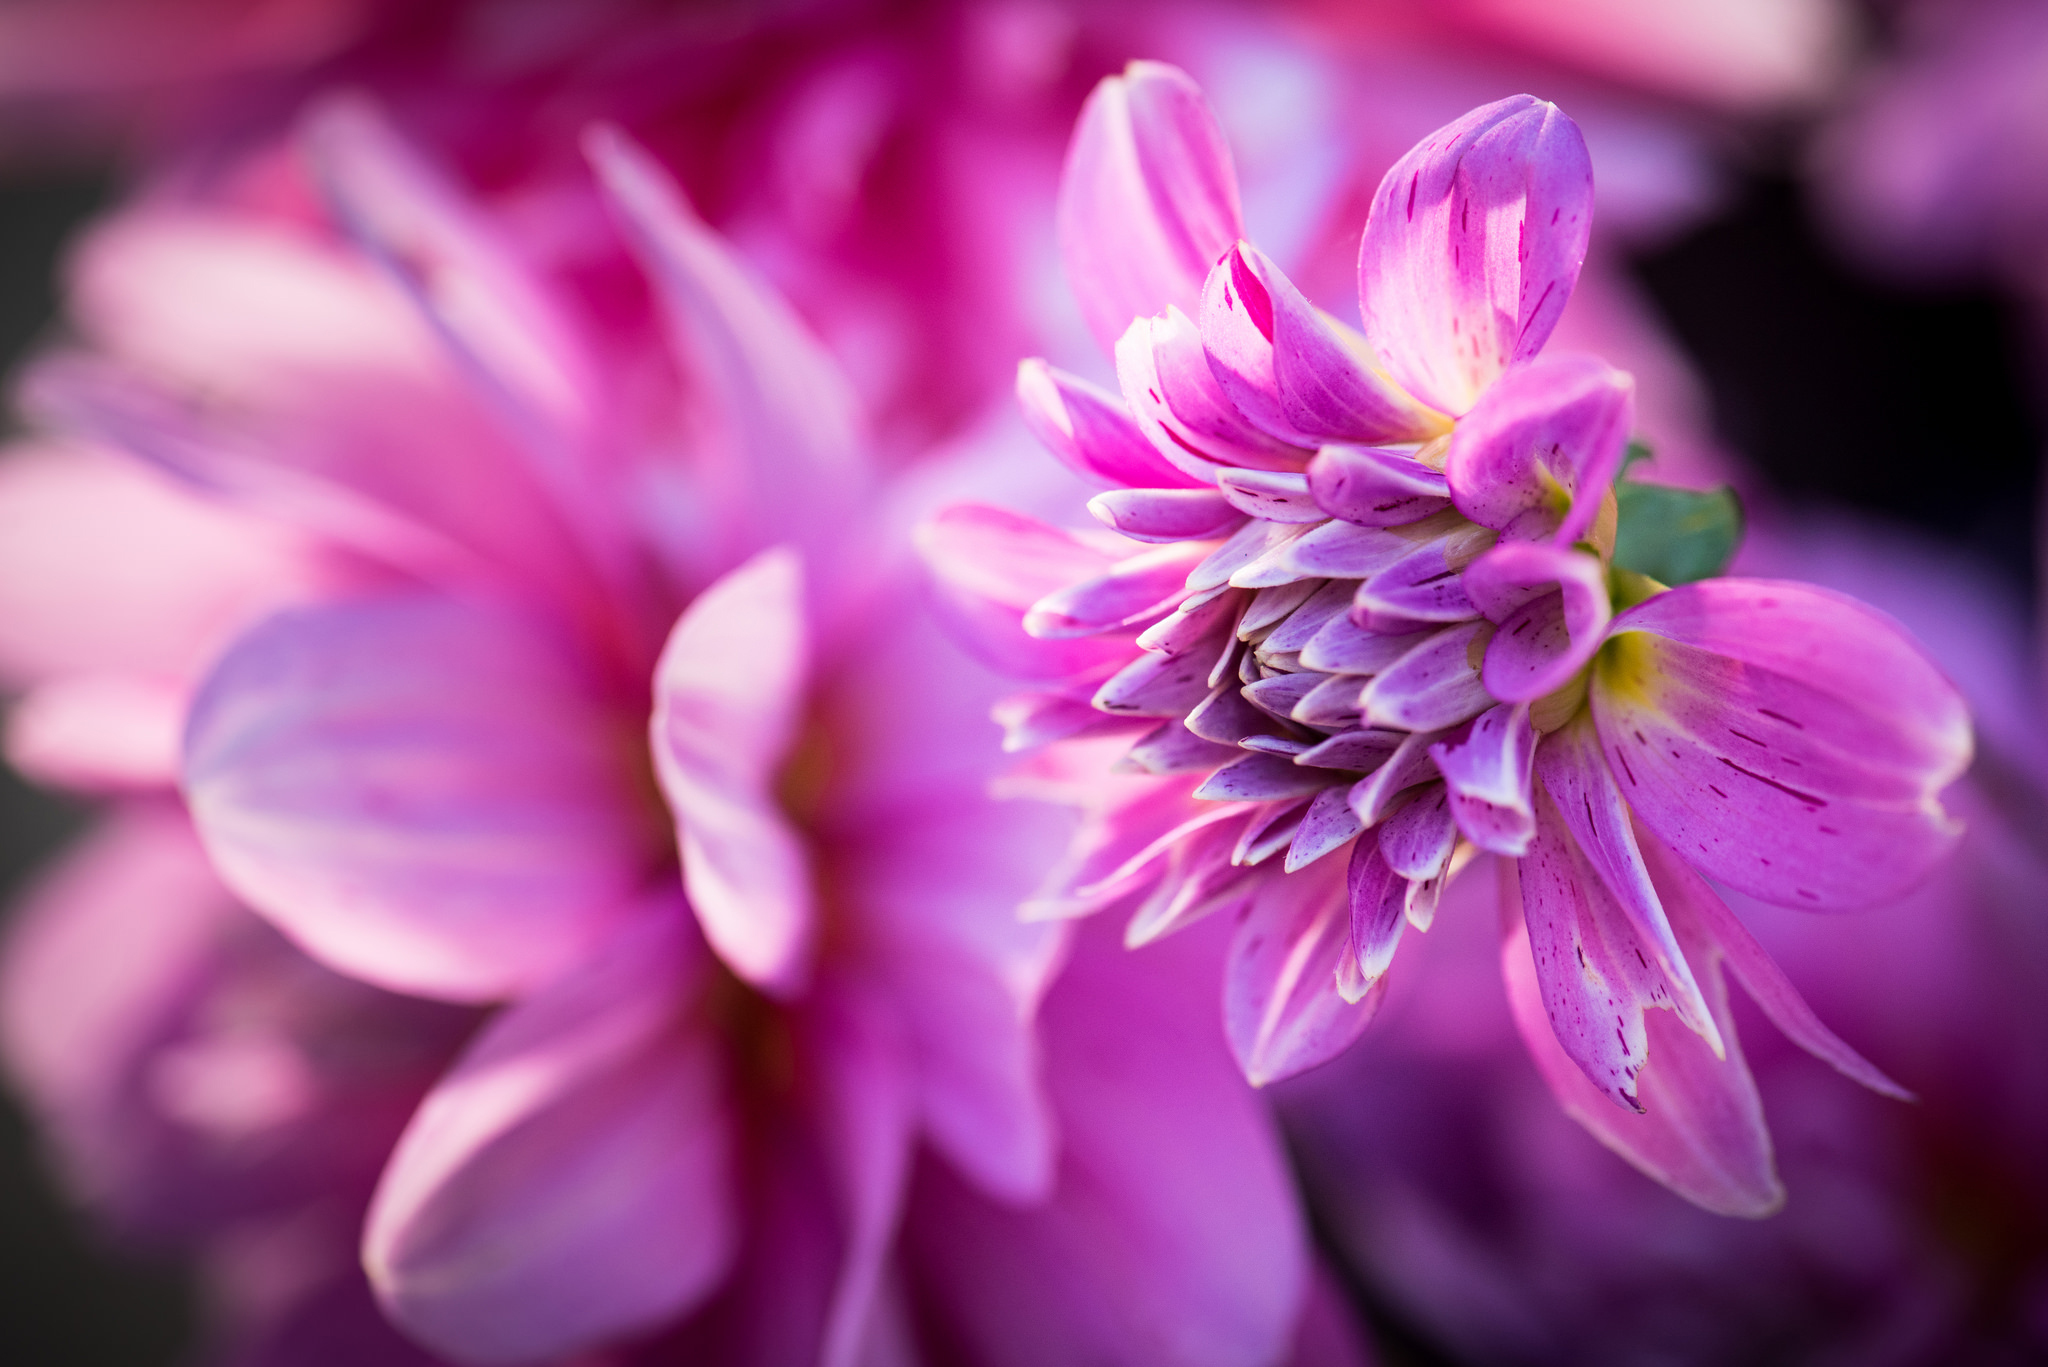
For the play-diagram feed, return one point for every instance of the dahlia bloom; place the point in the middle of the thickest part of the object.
(779, 1075)
(1380, 624)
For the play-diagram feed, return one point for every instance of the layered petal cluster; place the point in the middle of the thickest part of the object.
(1376, 624)
(599, 717)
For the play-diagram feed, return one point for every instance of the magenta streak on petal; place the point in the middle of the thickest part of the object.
(1472, 246)
(1148, 199)
(1375, 488)
(1488, 774)
(1166, 379)
(1787, 741)
(1294, 371)
(1282, 1010)
(1276, 495)
(729, 694)
(1435, 685)
(1132, 591)
(1091, 431)
(1166, 514)
(1417, 840)
(1327, 824)
(1575, 774)
(1534, 458)
(1689, 900)
(1375, 895)
(1545, 641)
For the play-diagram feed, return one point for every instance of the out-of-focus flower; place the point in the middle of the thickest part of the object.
(722, 1090)
(1914, 1234)
(1382, 616)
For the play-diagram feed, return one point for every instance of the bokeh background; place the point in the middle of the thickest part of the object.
(1921, 404)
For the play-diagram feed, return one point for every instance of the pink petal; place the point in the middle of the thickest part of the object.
(1535, 456)
(1327, 824)
(1374, 488)
(1409, 765)
(1549, 638)
(989, 566)
(99, 732)
(1292, 369)
(1790, 742)
(570, 1180)
(1374, 894)
(1148, 201)
(1030, 720)
(1131, 591)
(1435, 685)
(1276, 495)
(1281, 1007)
(1701, 1132)
(1416, 841)
(1091, 430)
(1166, 514)
(1183, 409)
(1488, 775)
(421, 792)
(1472, 246)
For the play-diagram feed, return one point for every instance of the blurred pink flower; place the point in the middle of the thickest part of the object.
(721, 1090)
(1381, 564)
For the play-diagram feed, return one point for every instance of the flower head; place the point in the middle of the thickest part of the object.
(1381, 624)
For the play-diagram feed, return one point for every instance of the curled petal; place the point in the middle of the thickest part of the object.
(1472, 246)
(1375, 488)
(1786, 740)
(1488, 774)
(1549, 637)
(1292, 369)
(1374, 894)
(1091, 430)
(1534, 458)
(729, 692)
(1148, 201)
(1281, 1006)
(570, 1180)
(1179, 405)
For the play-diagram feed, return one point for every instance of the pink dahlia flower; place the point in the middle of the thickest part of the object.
(1389, 613)
(606, 718)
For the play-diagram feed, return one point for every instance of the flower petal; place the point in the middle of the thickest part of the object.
(1535, 456)
(1791, 742)
(1276, 495)
(1472, 246)
(1166, 514)
(1374, 894)
(1148, 200)
(421, 792)
(1182, 407)
(1549, 638)
(989, 566)
(729, 693)
(570, 1180)
(1091, 431)
(1417, 840)
(1433, 686)
(1374, 488)
(1131, 591)
(1488, 775)
(1281, 1007)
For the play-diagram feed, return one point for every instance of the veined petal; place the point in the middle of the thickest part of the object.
(1375, 488)
(1281, 1007)
(1550, 637)
(1276, 495)
(729, 693)
(1788, 741)
(1417, 840)
(1092, 431)
(422, 792)
(570, 1180)
(1182, 408)
(1435, 685)
(1293, 370)
(1701, 1131)
(1535, 456)
(1472, 246)
(1489, 775)
(1374, 894)
(1148, 200)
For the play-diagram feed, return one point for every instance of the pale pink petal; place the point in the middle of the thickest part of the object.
(729, 697)
(1488, 776)
(570, 1181)
(1551, 635)
(422, 792)
(1535, 456)
(1375, 488)
(1786, 740)
(1282, 1009)
(1182, 407)
(1167, 514)
(1092, 431)
(1148, 201)
(1292, 369)
(1132, 591)
(989, 566)
(1472, 246)
(104, 733)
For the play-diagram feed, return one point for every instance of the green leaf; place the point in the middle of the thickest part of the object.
(1676, 536)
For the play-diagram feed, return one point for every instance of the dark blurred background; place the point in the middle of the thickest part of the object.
(1921, 407)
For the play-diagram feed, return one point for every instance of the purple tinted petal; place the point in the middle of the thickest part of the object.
(1359, 750)
(1156, 686)
(729, 693)
(1423, 586)
(1200, 881)
(1327, 824)
(1030, 720)
(1416, 841)
(1196, 623)
(1148, 201)
(1092, 431)
(1170, 748)
(1346, 550)
(989, 566)
(1535, 456)
(1260, 778)
(1341, 646)
(1784, 739)
(1180, 406)
(570, 1180)
(1407, 766)
(1331, 704)
(1488, 774)
(1472, 246)
(1374, 488)
(1247, 546)
(1292, 369)
(1166, 514)
(1133, 590)
(1305, 621)
(423, 793)
(1281, 1007)
(1374, 894)
(1550, 638)
(1276, 495)
(1435, 685)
